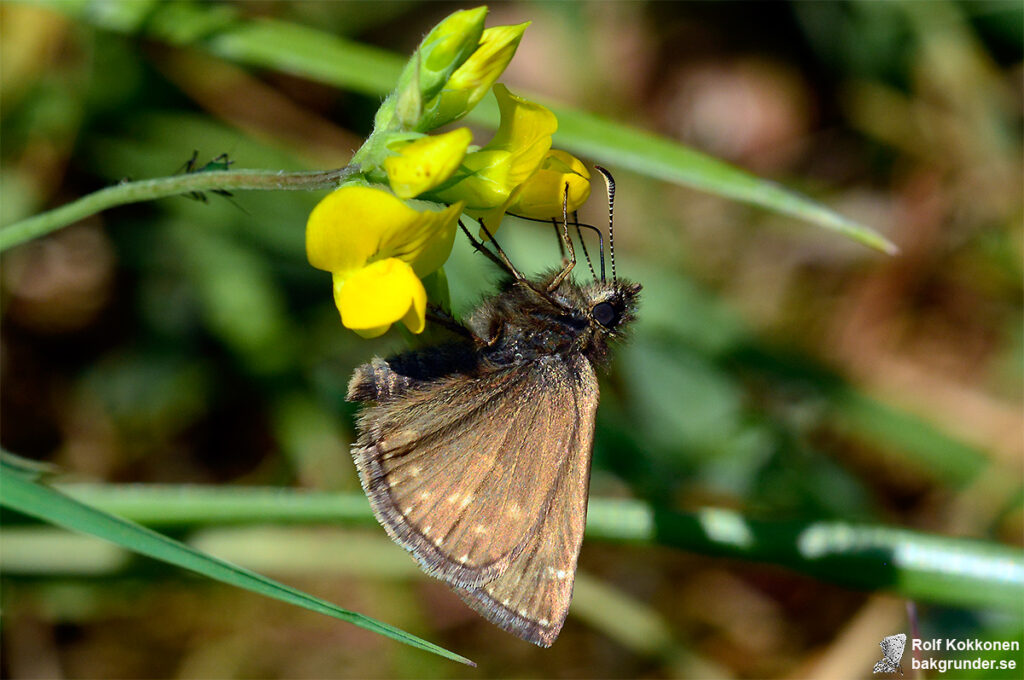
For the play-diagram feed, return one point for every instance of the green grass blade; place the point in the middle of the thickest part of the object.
(914, 564)
(920, 566)
(648, 154)
(319, 56)
(23, 495)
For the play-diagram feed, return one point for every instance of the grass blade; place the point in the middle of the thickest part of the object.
(23, 495)
(662, 158)
(914, 564)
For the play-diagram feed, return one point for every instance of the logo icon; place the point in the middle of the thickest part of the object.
(892, 651)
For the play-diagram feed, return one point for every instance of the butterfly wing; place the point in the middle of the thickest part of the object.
(531, 598)
(893, 646)
(461, 470)
(892, 651)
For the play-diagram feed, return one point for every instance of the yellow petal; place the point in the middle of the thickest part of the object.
(525, 132)
(433, 252)
(543, 194)
(483, 182)
(356, 225)
(344, 229)
(372, 298)
(424, 163)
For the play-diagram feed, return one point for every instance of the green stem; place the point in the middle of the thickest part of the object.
(149, 189)
(917, 565)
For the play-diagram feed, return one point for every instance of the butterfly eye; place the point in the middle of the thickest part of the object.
(605, 314)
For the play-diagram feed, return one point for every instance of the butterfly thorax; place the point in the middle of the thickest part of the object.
(526, 322)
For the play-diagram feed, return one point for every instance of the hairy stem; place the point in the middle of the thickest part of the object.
(149, 189)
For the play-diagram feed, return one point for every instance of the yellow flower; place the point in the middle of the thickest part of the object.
(543, 194)
(377, 247)
(488, 177)
(424, 163)
(471, 81)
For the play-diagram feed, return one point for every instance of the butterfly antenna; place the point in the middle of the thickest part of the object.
(576, 223)
(610, 184)
(600, 245)
(583, 244)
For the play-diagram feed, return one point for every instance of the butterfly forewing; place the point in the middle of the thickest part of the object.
(465, 499)
(531, 598)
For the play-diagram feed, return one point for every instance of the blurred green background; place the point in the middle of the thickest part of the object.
(776, 369)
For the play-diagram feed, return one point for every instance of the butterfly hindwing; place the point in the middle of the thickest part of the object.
(531, 597)
(461, 470)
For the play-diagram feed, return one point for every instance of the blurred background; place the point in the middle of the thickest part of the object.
(775, 369)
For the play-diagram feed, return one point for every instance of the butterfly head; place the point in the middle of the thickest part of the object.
(610, 307)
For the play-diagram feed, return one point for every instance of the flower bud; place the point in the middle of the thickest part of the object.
(471, 81)
(439, 55)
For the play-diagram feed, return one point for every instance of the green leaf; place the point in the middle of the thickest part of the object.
(23, 495)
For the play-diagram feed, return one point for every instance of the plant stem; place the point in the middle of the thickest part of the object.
(149, 189)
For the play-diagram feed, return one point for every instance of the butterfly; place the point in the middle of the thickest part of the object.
(475, 454)
(892, 651)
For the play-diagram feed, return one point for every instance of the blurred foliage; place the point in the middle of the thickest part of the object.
(777, 371)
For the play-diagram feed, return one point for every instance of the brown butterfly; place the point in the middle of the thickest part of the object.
(476, 454)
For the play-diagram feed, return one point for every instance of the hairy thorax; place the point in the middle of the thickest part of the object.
(521, 325)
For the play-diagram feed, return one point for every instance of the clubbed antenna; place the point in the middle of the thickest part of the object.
(610, 184)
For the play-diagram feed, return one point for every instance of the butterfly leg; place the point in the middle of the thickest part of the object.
(501, 259)
(564, 233)
(558, 236)
(445, 320)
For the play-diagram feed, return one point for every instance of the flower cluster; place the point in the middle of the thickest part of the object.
(394, 222)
